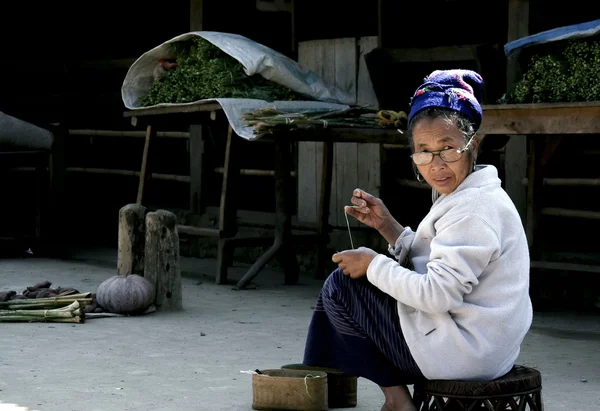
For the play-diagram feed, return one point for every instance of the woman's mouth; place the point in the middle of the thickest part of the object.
(442, 181)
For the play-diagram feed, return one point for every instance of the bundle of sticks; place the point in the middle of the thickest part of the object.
(269, 120)
(61, 309)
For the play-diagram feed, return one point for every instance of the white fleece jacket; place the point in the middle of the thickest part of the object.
(464, 308)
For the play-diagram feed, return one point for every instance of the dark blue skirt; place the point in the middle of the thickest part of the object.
(355, 328)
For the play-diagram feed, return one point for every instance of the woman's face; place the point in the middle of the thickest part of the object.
(433, 134)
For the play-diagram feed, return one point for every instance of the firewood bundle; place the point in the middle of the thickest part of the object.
(40, 303)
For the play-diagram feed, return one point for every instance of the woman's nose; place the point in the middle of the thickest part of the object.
(438, 162)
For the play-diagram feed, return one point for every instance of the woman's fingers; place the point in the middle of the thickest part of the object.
(336, 258)
(356, 212)
(358, 202)
(368, 198)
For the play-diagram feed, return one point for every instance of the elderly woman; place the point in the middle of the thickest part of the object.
(454, 302)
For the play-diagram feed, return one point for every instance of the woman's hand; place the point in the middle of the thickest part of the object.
(354, 262)
(371, 211)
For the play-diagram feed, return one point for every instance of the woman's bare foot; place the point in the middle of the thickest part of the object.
(397, 398)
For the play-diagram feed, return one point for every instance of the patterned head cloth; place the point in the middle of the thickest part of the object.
(459, 90)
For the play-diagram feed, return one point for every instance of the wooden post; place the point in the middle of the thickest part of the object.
(131, 239)
(228, 226)
(144, 168)
(196, 15)
(534, 191)
(161, 260)
(56, 206)
(515, 155)
(323, 221)
(283, 245)
(196, 149)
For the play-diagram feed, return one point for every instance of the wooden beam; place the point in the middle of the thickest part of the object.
(533, 192)
(253, 172)
(177, 109)
(196, 154)
(380, 23)
(432, 54)
(144, 168)
(574, 267)
(196, 15)
(543, 118)
(518, 27)
(346, 135)
(198, 231)
(123, 133)
(569, 213)
(515, 156)
(568, 182)
(61, 66)
(111, 171)
(293, 25)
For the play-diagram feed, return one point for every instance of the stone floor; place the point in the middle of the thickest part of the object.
(192, 359)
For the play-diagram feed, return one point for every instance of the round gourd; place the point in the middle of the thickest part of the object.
(125, 294)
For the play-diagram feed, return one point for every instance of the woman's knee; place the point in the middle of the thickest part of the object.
(337, 286)
(336, 280)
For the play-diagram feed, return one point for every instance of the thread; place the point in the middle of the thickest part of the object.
(306, 383)
(348, 225)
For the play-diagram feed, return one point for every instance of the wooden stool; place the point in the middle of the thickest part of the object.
(522, 386)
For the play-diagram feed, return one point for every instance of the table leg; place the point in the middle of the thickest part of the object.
(196, 149)
(534, 190)
(323, 222)
(144, 169)
(283, 243)
(228, 207)
(196, 157)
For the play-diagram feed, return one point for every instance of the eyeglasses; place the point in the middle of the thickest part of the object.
(449, 155)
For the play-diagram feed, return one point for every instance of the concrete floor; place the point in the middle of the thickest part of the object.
(192, 359)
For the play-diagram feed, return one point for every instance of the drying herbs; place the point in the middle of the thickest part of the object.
(569, 75)
(268, 120)
(201, 70)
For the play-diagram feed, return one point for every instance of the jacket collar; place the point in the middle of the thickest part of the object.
(484, 174)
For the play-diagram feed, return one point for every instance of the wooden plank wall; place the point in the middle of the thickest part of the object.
(341, 62)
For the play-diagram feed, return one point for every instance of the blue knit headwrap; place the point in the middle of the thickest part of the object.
(459, 90)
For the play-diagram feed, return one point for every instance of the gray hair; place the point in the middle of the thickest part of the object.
(462, 122)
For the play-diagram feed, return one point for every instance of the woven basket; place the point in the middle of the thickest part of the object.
(289, 390)
(341, 387)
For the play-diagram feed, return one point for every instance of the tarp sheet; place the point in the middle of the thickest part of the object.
(18, 135)
(575, 31)
(256, 59)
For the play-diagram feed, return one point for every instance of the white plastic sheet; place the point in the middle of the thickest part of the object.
(256, 59)
(16, 134)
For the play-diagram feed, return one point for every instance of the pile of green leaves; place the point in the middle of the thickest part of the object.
(570, 75)
(205, 71)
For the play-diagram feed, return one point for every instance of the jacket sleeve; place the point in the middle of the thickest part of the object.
(460, 251)
(401, 249)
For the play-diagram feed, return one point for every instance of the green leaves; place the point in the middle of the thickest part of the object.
(204, 71)
(569, 76)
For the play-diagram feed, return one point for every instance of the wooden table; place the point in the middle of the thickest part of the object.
(282, 241)
(544, 126)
